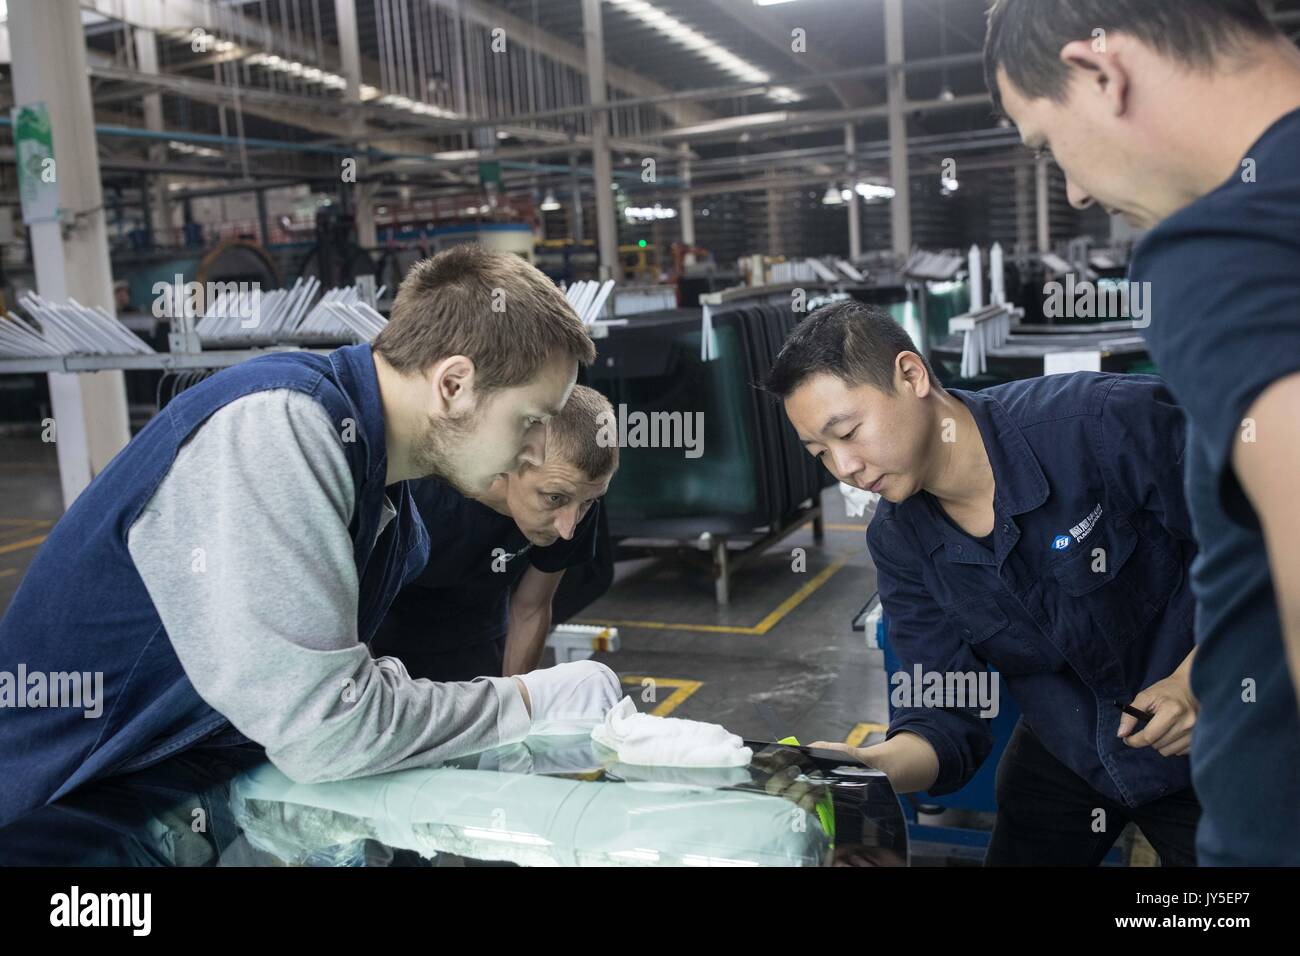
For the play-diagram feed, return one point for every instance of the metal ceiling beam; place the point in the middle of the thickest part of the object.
(572, 55)
(179, 16)
(807, 120)
(130, 165)
(849, 92)
(804, 179)
(726, 91)
(417, 166)
(521, 31)
(302, 111)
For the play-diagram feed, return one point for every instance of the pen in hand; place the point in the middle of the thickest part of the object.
(1132, 711)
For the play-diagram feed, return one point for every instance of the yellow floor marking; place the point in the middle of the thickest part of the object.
(8, 571)
(683, 689)
(20, 545)
(860, 732)
(15, 528)
(762, 627)
(836, 527)
(794, 600)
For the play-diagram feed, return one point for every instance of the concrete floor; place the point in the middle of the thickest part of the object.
(30, 503)
(794, 652)
(785, 640)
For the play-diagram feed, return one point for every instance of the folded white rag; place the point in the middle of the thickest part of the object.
(648, 741)
(858, 502)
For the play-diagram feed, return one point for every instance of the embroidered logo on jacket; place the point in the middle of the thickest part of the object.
(1084, 527)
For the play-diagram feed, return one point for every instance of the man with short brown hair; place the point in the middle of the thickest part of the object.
(1184, 117)
(223, 574)
(469, 301)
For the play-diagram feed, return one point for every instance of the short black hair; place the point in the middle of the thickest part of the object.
(854, 342)
(1025, 37)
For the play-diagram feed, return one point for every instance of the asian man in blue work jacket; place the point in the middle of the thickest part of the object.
(1185, 119)
(1037, 527)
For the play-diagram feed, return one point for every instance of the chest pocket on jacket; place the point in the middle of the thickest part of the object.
(994, 638)
(1118, 581)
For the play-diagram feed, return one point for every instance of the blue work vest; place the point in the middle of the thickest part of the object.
(83, 607)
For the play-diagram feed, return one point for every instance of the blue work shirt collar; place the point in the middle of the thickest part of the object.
(1019, 485)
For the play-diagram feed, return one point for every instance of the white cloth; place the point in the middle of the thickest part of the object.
(858, 502)
(573, 691)
(648, 741)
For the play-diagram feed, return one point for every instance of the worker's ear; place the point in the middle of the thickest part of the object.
(451, 383)
(1098, 73)
(910, 373)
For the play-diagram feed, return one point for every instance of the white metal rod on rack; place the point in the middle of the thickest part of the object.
(598, 302)
(67, 329)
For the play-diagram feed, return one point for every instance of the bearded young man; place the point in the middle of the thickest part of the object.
(227, 568)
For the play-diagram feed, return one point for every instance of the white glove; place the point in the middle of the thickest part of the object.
(579, 690)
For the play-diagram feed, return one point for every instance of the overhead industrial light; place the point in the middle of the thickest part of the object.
(192, 149)
(770, 3)
(833, 197)
(415, 106)
(875, 191)
(334, 81)
(694, 40)
(312, 74)
(729, 124)
(648, 213)
(549, 202)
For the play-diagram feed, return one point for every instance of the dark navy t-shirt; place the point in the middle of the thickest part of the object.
(1225, 325)
(476, 556)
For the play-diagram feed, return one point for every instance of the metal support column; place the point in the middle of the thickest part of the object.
(602, 164)
(687, 212)
(160, 213)
(345, 15)
(48, 46)
(263, 220)
(899, 167)
(576, 230)
(773, 218)
(851, 164)
(1044, 207)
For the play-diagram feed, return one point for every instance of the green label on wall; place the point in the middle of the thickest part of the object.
(489, 173)
(38, 185)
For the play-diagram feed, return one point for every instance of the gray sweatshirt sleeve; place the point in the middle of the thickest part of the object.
(244, 549)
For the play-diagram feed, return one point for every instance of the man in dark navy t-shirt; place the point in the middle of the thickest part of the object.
(482, 606)
(1184, 116)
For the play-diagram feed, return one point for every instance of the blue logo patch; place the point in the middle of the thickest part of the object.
(1061, 542)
